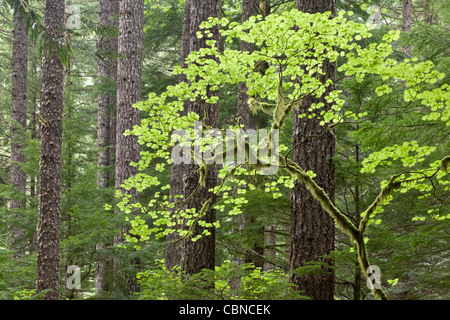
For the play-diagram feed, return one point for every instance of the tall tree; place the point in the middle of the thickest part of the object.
(129, 91)
(19, 107)
(200, 254)
(428, 13)
(172, 255)
(406, 13)
(48, 233)
(312, 229)
(243, 110)
(107, 71)
(242, 113)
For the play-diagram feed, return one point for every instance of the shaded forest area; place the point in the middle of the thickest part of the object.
(114, 123)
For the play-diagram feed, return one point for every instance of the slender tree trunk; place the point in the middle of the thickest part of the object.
(312, 229)
(357, 217)
(67, 173)
(18, 116)
(270, 242)
(107, 71)
(429, 16)
(407, 5)
(129, 91)
(198, 255)
(34, 129)
(48, 233)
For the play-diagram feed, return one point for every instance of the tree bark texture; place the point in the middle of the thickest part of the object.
(312, 229)
(243, 113)
(201, 254)
(406, 12)
(195, 256)
(129, 91)
(172, 254)
(48, 233)
(243, 110)
(18, 114)
(107, 71)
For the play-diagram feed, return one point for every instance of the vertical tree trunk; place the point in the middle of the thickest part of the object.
(407, 5)
(129, 91)
(107, 71)
(34, 123)
(243, 112)
(67, 172)
(428, 14)
(18, 114)
(172, 255)
(48, 233)
(312, 229)
(198, 255)
(270, 238)
(357, 216)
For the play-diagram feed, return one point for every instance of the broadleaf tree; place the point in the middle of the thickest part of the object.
(287, 48)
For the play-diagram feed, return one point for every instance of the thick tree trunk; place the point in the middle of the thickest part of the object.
(312, 229)
(243, 112)
(194, 256)
(129, 91)
(18, 115)
(48, 233)
(201, 254)
(107, 71)
(172, 255)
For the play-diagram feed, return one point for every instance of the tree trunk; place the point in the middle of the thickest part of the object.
(107, 71)
(18, 116)
(198, 255)
(172, 255)
(243, 112)
(312, 229)
(129, 91)
(67, 159)
(428, 13)
(48, 233)
(407, 4)
(34, 123)
(357, 217)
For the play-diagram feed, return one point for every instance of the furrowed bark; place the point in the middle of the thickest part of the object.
(107, 71)
(200, 254)
(172, 254)
(129, 91)
(48, 233)
(19, 119)
(312, 230)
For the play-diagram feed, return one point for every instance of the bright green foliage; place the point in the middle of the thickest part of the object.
(393, 107)
(285, 42)
(229, 281)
